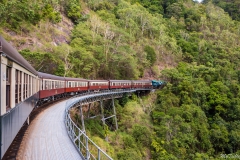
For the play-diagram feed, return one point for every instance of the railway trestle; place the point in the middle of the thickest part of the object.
(78, 135)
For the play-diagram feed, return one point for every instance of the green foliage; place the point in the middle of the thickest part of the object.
(141, 135)
(95, 127)
(193, 47)
(124, 99)
(151, 55)
(13, 13)
(73, 10)
(44, 62)
(49, 13)
(230, 6)
(128, 154)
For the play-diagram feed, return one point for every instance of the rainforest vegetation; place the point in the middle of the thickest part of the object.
(194, 47)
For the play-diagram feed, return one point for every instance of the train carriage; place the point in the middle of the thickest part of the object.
(18, 90)
(141, 84)
(98, 85)
(51, 86)
(74, 85)
(120, 84)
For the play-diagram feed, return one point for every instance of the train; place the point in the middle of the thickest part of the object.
(22, 88)
(54, 87)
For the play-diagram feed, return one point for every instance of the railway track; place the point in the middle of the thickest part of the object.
(14, 149)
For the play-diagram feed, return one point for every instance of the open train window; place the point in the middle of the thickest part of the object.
(26, 86)
(52, 84)
(49, 84)
(16, 86)
(33, 80)
(8, 91)
(30, 85)
(46, 85)
(20, 87)
(56, 84)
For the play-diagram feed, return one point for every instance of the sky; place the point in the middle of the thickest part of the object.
(198, 0)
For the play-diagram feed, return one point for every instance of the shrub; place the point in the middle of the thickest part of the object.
(151, 55)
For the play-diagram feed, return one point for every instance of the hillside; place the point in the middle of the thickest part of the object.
(194, 47)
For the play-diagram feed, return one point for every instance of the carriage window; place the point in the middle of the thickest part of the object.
(52, 84)
(8, 94)
(30, 85)
(20, 86)
(24, 81)
(16, 86)
(33, 85)
(41, 85)
(69, 84)
(49, 84)
(26, 88)
(46, 84)
(8, 75)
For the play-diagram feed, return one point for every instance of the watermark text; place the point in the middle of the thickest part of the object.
(230, 156)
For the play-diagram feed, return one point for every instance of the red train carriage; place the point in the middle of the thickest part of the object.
(120, 84)
(51, 86)
(75, 85)
(98, 84)
(141, 84)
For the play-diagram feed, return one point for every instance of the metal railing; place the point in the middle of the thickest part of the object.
(86, 147)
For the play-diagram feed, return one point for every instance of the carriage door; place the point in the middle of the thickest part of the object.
(8, 80)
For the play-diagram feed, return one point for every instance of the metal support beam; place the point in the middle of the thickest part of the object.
(102, 112)
(109, 117)
(114, 112)
(82, 118)
(103, 119)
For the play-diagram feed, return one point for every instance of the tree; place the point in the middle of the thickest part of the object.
(151, 55)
